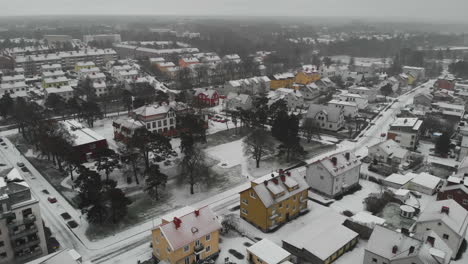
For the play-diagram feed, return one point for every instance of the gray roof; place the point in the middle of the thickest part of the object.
(456, 219)
(333, 113)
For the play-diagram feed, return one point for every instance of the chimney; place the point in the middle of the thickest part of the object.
(411, 250)
(275, 181)
(445, 210)
(266, 183)
(405, 231)
(394, 249)
(281, 171)
(177, 222)
(288, 173)
(334, 160)
(197, 212)
(430, 240)
(283, 178)
(347, 156)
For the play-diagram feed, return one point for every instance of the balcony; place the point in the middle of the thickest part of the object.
(198, 248)
(22, 233)
(31, 218)
(29, 255)
(18, 247)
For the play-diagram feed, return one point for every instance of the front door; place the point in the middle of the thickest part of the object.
(197, 257)
(287, 216)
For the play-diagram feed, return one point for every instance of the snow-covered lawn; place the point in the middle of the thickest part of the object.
(355, 202)
(229, 154)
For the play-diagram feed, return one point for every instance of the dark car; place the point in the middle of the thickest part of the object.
(65, 216)
(72, 224)
(20, 164)
(45, 191)
(52, 200)
(3, 144)
(53, 243)
(24, 169)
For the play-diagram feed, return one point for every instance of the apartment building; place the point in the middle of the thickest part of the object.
(113, 38)
(22, 235)
(270, 203)
(188, 237)
(405, 131)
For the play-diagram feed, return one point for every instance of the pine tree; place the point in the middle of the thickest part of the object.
(154, 180)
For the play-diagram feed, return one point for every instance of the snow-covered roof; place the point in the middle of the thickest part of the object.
(340, 102)
(242, 98)
(283, 76)
(367, 219)
(445, 105)
(399, 179)
(61, 89)
(166, 64)
(269, 252)
(81, 135)
(207, 92)
(65, 256)
(14, 175)
(333, 114)
(427, 180)
(156, 60)
(279, 187)
(13, 78)
(342, 165)
(322, 236)
(193, 226)
(456, 219)
(85, 64)
(151, 110)
(405, 122)
(58, 79)
(391, 148)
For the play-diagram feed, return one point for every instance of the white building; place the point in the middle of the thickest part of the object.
(418, 72)
(52, 74)
(447, 219)
(293, 98)
(83, 73)
(254, 85)
(405, 131)
(13, 87)
(22, 235)
(66, 92)
(64, 256)
(388, 152)
(392, 247)
(121, 76)
(267, 252)
(50, 67)
(100, 88)
(425, 183)
(235, 101)
(310, 91)
(369, 94)
(328, 117)
(112, 38)
(350, 109)
(334, 175)
(361, 101)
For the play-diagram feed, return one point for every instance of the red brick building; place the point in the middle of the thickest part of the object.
(207, 97)
(85, 141)
(455, 189)
(446, 82)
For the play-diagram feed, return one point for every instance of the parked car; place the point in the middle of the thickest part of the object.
(3, 144)
(24, 169)
(72, 224)
(45, 191)
(52, 200)
(20, 164)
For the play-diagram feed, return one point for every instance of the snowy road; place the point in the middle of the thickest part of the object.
(133, 244)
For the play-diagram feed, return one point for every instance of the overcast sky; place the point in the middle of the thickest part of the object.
(439, 10)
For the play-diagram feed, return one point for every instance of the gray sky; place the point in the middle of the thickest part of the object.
(440, 10)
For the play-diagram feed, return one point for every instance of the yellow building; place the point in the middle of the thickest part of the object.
(186, 239)
(84, 65)
(411, 79)
(267, 252)
(268, 204)
(305, 78)
(55, 82)
(281, 80)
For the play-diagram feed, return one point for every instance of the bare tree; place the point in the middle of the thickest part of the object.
(258, 144)
(310, 128)
(193, 167)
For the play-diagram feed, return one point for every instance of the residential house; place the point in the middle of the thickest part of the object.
(308, 74)
(66, 92)
(254, 85)
(86, 142)
(424, 99)
(350, 109)
(52, 74)
(50, 67)
(418, 73)
(334, 175)
(281, 80)
(22, 230)
(322, 240)
(84, 65)
(232, 58)
(328, 117)
(187, 61)
(458, 191)
(405, 131)
(325, 85)
(310, 91)
(389, 152)
(293, 98)
(269, 203)
(54, 82)
(393, 247)
(446, 82)
(267, 252)
(12, 88)
(100, 88)
(236, 101)
(83, 73)
(124, 75)
(206, 97)
(369, 94)
(163, 66)
(398, 181)
(361, 101)
(154, 61)
(454, 111)
(187, 238)
(425, 183)
(447, 219)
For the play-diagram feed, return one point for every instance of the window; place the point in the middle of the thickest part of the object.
(252, 194)
(165, 122)
(2, 243)
(287, 206)
(294, 198)
(154, 124)
(186, 248)
(294, 208)
(280, 205)
(244, 201)
(208, 249)
(208, 237)
(197, 243)
(187, 260)
(321, 177)
(156, 240)
(465, 201)
(168, 249)
(148, 125)
(159, 123)
(3, 255)
(374, 260)
(445, 236)
(244, 211)
(171, 121)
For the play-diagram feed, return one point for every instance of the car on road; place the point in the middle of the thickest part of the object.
(1, 139)
(53, 243)
(72, 224)
(65, 216)
(45, 191)
(20, 164)
(24, 169)
(52, 200)
(3, 144)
